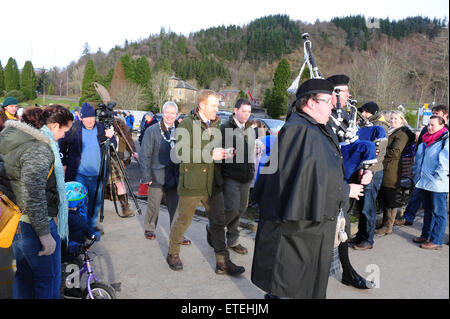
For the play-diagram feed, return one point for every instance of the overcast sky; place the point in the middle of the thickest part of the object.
(53, 32)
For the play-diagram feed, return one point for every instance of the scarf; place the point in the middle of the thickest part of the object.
(10, 116)
(429, 139)
(392, 130)
(63, 225)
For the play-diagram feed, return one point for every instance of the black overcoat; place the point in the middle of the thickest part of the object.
(299, 204)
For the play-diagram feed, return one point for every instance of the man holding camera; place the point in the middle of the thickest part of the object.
(81, 150)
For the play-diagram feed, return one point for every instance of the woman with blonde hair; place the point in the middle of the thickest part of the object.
(399, 136)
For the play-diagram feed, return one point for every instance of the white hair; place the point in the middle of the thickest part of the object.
(170, 103)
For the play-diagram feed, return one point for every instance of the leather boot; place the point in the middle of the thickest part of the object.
(126, 210)
(174, 262)
(390, 218)
(383, 221)
(349, 275)
(225, 266)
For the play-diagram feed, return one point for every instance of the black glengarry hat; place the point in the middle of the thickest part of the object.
(339, 79)
(313, 86)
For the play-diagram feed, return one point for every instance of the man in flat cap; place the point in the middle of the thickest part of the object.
(300, 202)
(8, 111)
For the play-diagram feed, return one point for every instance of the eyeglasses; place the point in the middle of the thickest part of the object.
(323, 100)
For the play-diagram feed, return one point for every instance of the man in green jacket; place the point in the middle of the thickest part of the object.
(198, 145)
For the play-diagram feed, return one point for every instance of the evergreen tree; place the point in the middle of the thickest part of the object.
(17, 94)
(43, 81)
(163, 64)
(266, 100)
(182, 45)
(242, 95)
(28, 81)
(129, 67)
(51, 89)
(12, 78)
(2, 80)
(143, 74)
(144, 79)
(108, 79)
(88, 92)
(279, 100)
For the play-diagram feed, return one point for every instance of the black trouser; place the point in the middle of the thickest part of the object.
(236, 202)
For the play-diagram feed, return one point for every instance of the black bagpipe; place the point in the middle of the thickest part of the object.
(358, 153)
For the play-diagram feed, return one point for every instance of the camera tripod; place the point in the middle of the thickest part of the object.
(108, 150)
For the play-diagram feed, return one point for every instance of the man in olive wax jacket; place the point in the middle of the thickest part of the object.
(198, 146)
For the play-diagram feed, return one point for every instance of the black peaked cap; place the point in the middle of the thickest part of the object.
(339, 79)
(314, 86)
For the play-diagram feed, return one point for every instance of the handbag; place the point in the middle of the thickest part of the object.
(9, 220)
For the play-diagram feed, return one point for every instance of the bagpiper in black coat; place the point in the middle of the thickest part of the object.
(299, 205)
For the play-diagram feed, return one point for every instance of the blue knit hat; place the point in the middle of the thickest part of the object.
(10, 101)
(87, 110)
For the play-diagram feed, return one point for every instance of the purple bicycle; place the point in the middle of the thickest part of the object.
(94, 288)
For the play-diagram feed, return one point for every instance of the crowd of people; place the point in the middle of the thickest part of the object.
(299, 181)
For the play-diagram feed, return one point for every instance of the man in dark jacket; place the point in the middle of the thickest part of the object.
(239, 170)
(300, 202)
(82, 151)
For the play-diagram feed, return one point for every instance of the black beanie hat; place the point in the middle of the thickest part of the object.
(370, 107)
(87, 110)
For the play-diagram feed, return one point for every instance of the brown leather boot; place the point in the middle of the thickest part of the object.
(174, 262)
(225, 266)
(126, 210)
(390, 218)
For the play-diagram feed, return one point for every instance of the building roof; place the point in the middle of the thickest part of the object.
(228, 91)
(183, 85)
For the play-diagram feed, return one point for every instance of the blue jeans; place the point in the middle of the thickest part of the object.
(413, 205)
(94, 205)
(36, 277)
(368, 216)
(434, 216)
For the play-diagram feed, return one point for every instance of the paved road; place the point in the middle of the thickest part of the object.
(138, 265)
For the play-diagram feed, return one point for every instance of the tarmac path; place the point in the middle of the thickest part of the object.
(401, 269)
